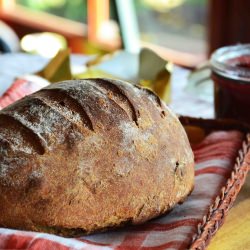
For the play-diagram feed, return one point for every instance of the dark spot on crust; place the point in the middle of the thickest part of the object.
(41, 204)
(176, 166)
(33, 183)
(179, 170)
(181, 173)
(163, 113)
(62, 103)
(137, 86)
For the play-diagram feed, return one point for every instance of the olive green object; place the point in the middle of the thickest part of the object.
(58, 69)
(155, 73)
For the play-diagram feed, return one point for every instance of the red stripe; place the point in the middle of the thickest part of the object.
(204, 159)
(24, 242)
(220, 136)
(14, 93)
(93, 242)
(17, 84)
(218, 151)
(218, 148)
(2, 103)
(180, 245)
(132, 241)
(7, 100)
(215, 144)
(170, 244)
(17, 95)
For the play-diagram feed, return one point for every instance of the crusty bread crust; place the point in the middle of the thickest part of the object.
(85, 155)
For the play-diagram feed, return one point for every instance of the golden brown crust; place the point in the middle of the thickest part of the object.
(81, 156)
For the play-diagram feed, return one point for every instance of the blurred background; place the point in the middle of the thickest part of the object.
(183, 31)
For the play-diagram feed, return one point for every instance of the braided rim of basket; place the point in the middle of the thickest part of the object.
(222, 204)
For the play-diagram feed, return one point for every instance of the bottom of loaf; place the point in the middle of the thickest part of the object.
(76, 232)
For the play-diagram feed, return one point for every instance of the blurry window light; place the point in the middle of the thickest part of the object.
(109, 31)
(45, 44)
(178, 25)
(162, 5)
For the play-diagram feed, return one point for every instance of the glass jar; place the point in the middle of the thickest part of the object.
(231, 75)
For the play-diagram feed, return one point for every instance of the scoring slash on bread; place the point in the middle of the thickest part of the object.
(86, 155)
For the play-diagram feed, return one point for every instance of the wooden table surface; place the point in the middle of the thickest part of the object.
(235, 233)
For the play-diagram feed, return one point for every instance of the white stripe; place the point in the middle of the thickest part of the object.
(224, 163)
(205, 182)
(154, 239)
(188, 210)
(113, 238)
(73, 244)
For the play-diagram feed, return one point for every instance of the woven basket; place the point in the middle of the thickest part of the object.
(222, 204)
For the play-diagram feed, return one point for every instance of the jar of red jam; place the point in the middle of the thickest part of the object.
(231, 75)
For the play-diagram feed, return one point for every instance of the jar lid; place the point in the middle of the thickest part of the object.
(232, 62)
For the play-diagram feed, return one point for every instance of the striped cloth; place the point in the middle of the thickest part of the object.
(214, 158)
(21, 87)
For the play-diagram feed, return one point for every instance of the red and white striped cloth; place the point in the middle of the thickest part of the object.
(214, 159)
(21, 87)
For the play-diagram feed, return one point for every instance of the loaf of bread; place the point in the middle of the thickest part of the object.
(86, 155)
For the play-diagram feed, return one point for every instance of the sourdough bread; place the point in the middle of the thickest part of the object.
(85, 155)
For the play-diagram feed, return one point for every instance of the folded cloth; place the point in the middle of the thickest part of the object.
(214, 157)
(21, 87)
